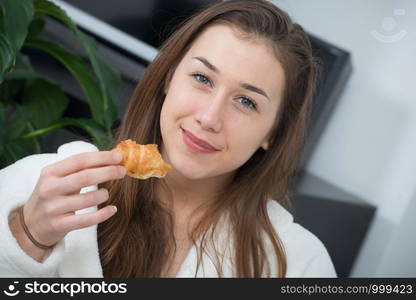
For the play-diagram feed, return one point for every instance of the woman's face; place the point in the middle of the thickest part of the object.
(226, 92)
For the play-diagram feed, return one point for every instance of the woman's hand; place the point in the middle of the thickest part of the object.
(50, 211)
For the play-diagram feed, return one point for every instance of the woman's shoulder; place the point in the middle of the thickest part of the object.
(283, 223)
(306, 254)
(280, 217)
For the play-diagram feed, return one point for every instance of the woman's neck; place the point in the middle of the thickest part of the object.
(187, 194)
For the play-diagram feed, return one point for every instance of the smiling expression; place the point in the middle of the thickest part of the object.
(220, 104)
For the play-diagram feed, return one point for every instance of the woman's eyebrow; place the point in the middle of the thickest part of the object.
(207, 64)
(244, 85)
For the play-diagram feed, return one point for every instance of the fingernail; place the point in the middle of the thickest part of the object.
(117, 156)
(122, 171)
(114, 208)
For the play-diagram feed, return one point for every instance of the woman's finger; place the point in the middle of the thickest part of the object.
(83, 161)
(72, 203)
(75, 222)
(75, 182)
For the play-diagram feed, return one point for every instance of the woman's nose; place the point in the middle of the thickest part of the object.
(210, 115)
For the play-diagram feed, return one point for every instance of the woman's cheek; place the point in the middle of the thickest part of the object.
(188, 100)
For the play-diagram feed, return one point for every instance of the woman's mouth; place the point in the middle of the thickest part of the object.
(195, 144)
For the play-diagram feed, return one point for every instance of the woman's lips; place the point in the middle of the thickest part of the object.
(196, 144)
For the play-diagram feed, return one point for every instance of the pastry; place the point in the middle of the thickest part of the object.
(142, 161)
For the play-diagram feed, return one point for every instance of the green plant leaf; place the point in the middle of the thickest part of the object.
(17, 149)
(15, 80)
(6, 55)
(45, 7)
(109, 80)
(21, 121)
(21, 74)
(44, 102)
(15, 16)
(2, 127)
(22, 69)
(79, 70)
(101, 136)
(23, 62)
(16, 125)
(9, 90)
(36, 26)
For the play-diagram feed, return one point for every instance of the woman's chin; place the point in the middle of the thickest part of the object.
(188, 170)
(190, 173)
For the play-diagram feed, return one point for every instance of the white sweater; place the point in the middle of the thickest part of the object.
(77, 254)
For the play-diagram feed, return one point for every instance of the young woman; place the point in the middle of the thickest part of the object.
(227, 100)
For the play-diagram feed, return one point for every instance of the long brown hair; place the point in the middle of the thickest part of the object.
(138, 240)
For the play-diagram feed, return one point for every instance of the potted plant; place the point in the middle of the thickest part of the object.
(31, 105)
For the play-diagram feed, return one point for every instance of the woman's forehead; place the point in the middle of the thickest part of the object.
(249, 60)
(224, 41)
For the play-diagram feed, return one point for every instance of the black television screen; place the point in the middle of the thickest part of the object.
(136, 28)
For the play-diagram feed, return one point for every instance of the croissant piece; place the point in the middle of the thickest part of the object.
(142, 161)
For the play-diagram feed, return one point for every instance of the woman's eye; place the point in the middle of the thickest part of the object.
(201, 78)
(247, 103)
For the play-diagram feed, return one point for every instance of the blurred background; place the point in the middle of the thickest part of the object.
(356, 188)
(369, 144)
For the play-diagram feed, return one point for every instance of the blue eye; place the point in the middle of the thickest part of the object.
(248, 103)
(201, 78)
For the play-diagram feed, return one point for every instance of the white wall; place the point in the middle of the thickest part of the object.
(369, 145)
(399, 257)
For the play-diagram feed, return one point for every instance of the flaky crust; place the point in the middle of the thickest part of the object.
(142, 161)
